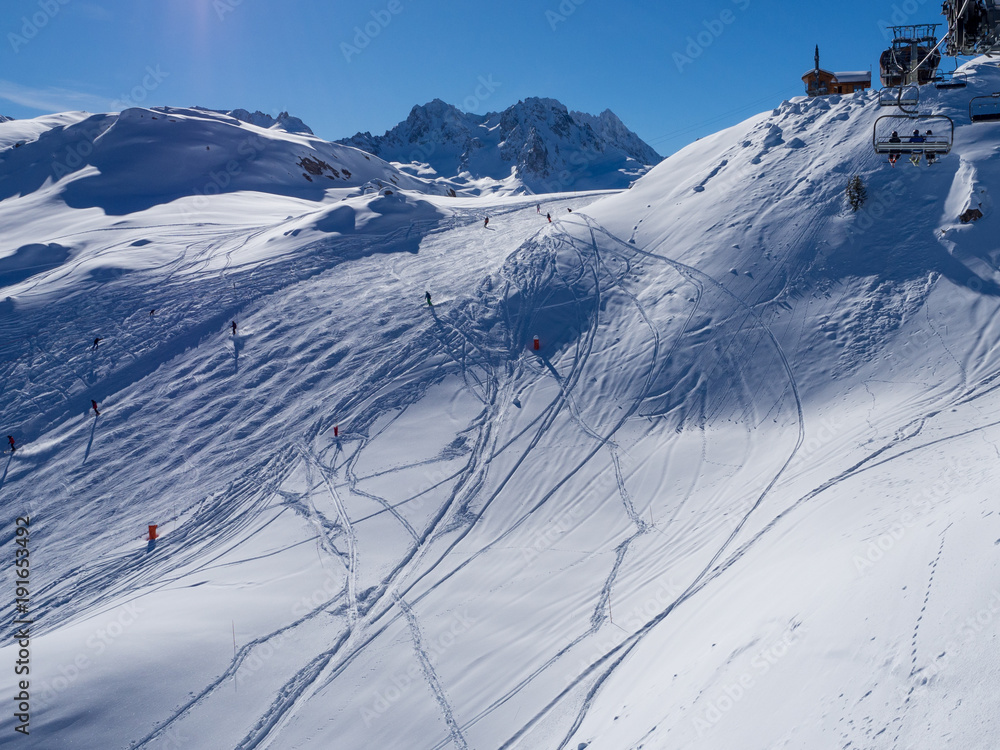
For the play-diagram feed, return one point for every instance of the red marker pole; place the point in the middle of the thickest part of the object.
(152, 532)
(336, 430)
(537, 346)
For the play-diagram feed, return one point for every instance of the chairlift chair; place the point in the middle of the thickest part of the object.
(899, 96)
(931, 146)
(953, 80)
(985, 108)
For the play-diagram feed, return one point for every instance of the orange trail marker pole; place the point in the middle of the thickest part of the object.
(152, 532)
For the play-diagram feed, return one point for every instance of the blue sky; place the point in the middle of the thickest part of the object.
(672, 71)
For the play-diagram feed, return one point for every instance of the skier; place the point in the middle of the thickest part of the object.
(234, 327)
(427, 296)
(549, 217)
(916, 138)
(10, 439)
(97, 341)
(152, 312)
(930, 156)
(894, 138)
(538, 208)
(93, 405)
(486, 223)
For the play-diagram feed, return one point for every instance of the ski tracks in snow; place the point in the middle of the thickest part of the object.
(348, 529)
(602, 669)
(432, 677)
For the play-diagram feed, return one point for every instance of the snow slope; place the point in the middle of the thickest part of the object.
(534, 146)
(742, 495)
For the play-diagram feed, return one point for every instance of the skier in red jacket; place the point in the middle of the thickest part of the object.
(93, 404)
(10, 439)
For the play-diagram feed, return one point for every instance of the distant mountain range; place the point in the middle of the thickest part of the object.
(535, 146)
(283, 121)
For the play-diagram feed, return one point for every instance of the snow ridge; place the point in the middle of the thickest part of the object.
(283, 121)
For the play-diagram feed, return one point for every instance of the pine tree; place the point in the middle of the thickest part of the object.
(856, 192)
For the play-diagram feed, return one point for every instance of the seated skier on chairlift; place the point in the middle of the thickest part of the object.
(930, 157)
(916, 138)
(894, 156)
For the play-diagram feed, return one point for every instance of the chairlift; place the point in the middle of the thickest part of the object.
(973, 27)
(954, 80)
(936, 134)
(899, 96)
(985, 108)
(913, 56)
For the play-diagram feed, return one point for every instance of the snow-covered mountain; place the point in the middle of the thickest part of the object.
(127, 162)
(537, 145)
(742, 495)
(610, 129)
(5, 119)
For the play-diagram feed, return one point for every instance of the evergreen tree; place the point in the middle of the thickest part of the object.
(856, 192)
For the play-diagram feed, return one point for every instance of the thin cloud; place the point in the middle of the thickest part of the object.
(52, 99)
